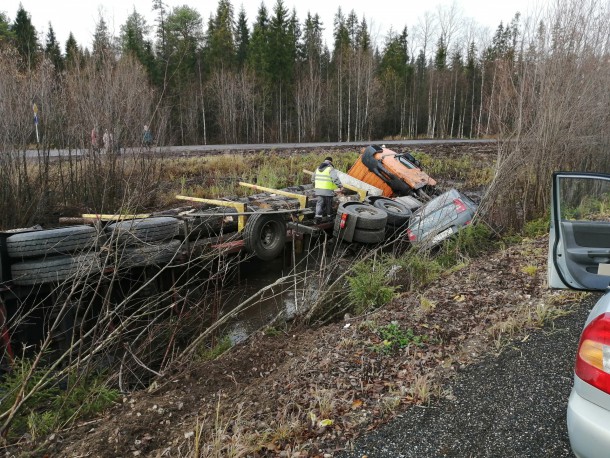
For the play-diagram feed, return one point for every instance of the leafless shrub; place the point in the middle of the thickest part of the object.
(113, 97)
(552, 107)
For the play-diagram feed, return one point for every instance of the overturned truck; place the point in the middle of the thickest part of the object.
(396, 174)
(124, 263)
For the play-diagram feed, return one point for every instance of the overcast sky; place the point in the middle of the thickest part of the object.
(80, 16)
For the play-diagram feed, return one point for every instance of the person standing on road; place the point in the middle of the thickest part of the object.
(94, 139)
(326, 182)
(106, 141)
(147, 138)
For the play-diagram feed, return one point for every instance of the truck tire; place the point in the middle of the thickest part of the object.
(147, 255)
(265, 235)
(55, 269)
(205, 226)
(50, 242)
(141, 231)
(369, 236)
(369, 217)
(398, 214)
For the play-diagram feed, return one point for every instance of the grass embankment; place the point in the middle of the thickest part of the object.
(406, 342)
(411, 325)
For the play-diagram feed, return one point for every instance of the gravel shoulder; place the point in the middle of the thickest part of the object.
(510, 405)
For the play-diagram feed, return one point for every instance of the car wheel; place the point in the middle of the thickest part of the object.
(265, 235)
(369, 217)
(55, 269)
(369, 236)
(147, 255)
(147, 230)
(398, 214)
(52, 241)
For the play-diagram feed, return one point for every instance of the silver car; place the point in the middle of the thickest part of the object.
(579, 258)
(440, 218)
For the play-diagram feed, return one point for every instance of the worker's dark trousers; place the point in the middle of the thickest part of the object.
(324, 206)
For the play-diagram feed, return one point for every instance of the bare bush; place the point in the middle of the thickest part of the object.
(553, 109)
(112, 97)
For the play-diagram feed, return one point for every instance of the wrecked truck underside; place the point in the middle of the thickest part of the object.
(395, 174)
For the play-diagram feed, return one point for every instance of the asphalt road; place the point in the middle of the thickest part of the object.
(192, 149)
(511, 405)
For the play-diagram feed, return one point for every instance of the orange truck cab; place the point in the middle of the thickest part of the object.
(395, 174)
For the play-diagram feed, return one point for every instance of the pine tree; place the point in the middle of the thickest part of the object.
(133, 40)
(221, 36)
(242, 38)
(73, 52)
(259, 44)
(133, 34)
(281, 59)
(353, 27)
(102, 46)
(5, 29)
(341, 33)
(25, 38)
(159, 7)
(312, 38)
(184, 35)
(52, 50)
(363, 38)
(440, 59)
(395, 55)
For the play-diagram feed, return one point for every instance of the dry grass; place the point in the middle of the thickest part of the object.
(423, 388)
(426, 305)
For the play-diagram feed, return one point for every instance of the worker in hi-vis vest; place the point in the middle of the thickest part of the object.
(326, 182)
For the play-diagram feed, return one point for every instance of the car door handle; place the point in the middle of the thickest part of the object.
(598, 253)
(599, 256)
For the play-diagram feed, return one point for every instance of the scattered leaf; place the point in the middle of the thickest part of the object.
(357, 404)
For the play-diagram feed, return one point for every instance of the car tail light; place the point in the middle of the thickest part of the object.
(459, 205)
(412, 236)
(343, 221)
(593, 357)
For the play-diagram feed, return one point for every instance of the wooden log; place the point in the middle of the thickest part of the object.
(75, 221)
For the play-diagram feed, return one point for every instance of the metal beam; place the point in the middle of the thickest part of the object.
(300, 197)
(108, 217)
(239, 206)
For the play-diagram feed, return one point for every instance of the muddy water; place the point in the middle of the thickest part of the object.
(282, 302)
(253, 276)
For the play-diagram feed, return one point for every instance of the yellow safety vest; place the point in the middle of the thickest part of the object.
(323, 180)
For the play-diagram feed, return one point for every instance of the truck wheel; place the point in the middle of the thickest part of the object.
(147, 255)
(55, 269)
(52, 241)
(369, 217)
(265, 235)
(369, 236)
(146, 230)
(398, 214)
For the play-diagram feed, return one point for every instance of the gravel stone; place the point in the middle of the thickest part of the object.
(511, 405)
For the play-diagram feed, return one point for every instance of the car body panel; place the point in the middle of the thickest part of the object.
(439, 219)
(579, 239)
(579, 258)
(588, 425)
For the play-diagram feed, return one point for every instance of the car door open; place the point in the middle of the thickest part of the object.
(579, 241)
